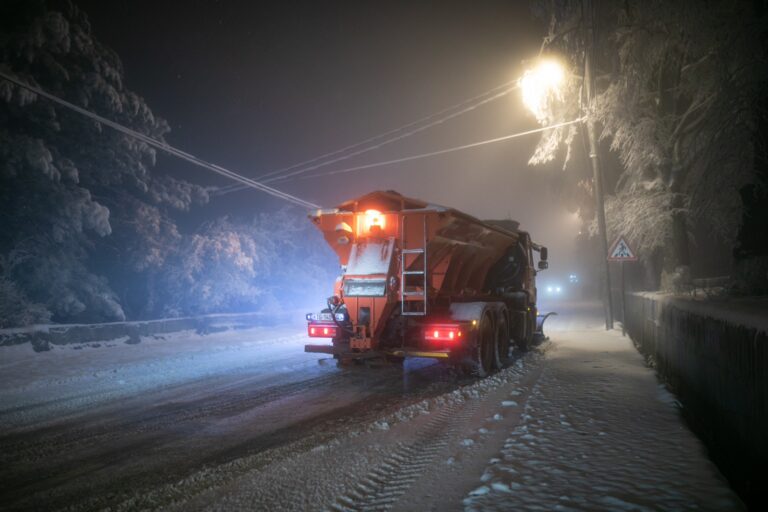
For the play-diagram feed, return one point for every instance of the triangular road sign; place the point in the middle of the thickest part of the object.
(621, 251)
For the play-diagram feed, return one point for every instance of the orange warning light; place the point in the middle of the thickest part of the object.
(372, 221)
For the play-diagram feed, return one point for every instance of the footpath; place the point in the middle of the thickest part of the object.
(598, 432)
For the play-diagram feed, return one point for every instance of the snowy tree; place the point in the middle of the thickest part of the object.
(67, 183)
(677, 85)
(216, 270)
(267, 263)
(88, 230)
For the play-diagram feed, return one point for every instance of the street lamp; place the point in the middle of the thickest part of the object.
(540, 86)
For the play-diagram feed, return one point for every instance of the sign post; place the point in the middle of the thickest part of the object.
(621, 252)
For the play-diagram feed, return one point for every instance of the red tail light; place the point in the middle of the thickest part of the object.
(321, 331)
(442, 332)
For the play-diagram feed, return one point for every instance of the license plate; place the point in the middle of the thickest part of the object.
(320, 317)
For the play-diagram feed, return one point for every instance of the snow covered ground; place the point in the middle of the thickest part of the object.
(597, 432)
(246, 421)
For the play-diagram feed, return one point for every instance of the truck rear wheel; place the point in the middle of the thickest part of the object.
(532, 331)
(501, 346)
(484, 351)
(525, 342)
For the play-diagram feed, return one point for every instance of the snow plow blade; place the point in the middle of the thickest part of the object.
(540, 319)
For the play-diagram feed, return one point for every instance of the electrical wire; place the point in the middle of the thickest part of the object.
(163, 146)
(302, 167)
(260, 186)
(444, 151)
(397, 138)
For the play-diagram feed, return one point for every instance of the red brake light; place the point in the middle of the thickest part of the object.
(448, 332)
(321, 331)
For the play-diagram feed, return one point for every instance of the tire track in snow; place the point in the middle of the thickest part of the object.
(321, 431)
(36, 448)
(35, 413)
(227, 465)
(382, 487)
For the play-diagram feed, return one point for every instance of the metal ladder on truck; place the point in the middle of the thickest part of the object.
(413, 307)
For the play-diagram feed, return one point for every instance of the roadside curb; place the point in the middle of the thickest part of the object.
(41, 337)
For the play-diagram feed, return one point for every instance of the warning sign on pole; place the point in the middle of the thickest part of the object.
(621, 251)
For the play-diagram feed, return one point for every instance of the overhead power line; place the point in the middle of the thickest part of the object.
(163, 146)
(261, 186)
(394, 139)
(303, 167)
(414, 131)
(443, 151)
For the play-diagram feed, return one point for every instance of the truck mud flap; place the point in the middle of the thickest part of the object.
(540, 319)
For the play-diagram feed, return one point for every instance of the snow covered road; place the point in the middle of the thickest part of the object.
(244, 420)
(89, 427)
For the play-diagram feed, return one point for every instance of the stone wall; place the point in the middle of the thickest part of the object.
(717, 365)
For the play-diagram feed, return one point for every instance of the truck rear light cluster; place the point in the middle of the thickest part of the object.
(321, 331)
(442, 332)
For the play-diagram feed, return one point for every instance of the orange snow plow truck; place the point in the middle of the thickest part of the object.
(423, 280)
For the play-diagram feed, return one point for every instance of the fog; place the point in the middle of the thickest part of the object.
(257, 88)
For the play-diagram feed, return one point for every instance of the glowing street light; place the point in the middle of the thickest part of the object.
(540, 85)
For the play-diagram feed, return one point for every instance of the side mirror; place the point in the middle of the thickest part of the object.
(543, 265)
(544, 253)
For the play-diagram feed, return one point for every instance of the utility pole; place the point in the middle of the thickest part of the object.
(597, 175)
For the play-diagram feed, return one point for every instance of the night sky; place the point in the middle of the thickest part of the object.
(257, 87)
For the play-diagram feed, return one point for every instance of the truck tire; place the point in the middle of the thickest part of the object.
(483, 353)
(525, 342)
(522, 340)
(502, 345)
(532, 330)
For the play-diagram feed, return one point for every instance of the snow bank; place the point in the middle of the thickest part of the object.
(475, 390)
(44, 335)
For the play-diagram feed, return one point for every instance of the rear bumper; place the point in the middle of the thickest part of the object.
(434, 354)
(324, 349)
(344, 352)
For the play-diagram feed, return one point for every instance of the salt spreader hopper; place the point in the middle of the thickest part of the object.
(424, 280)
